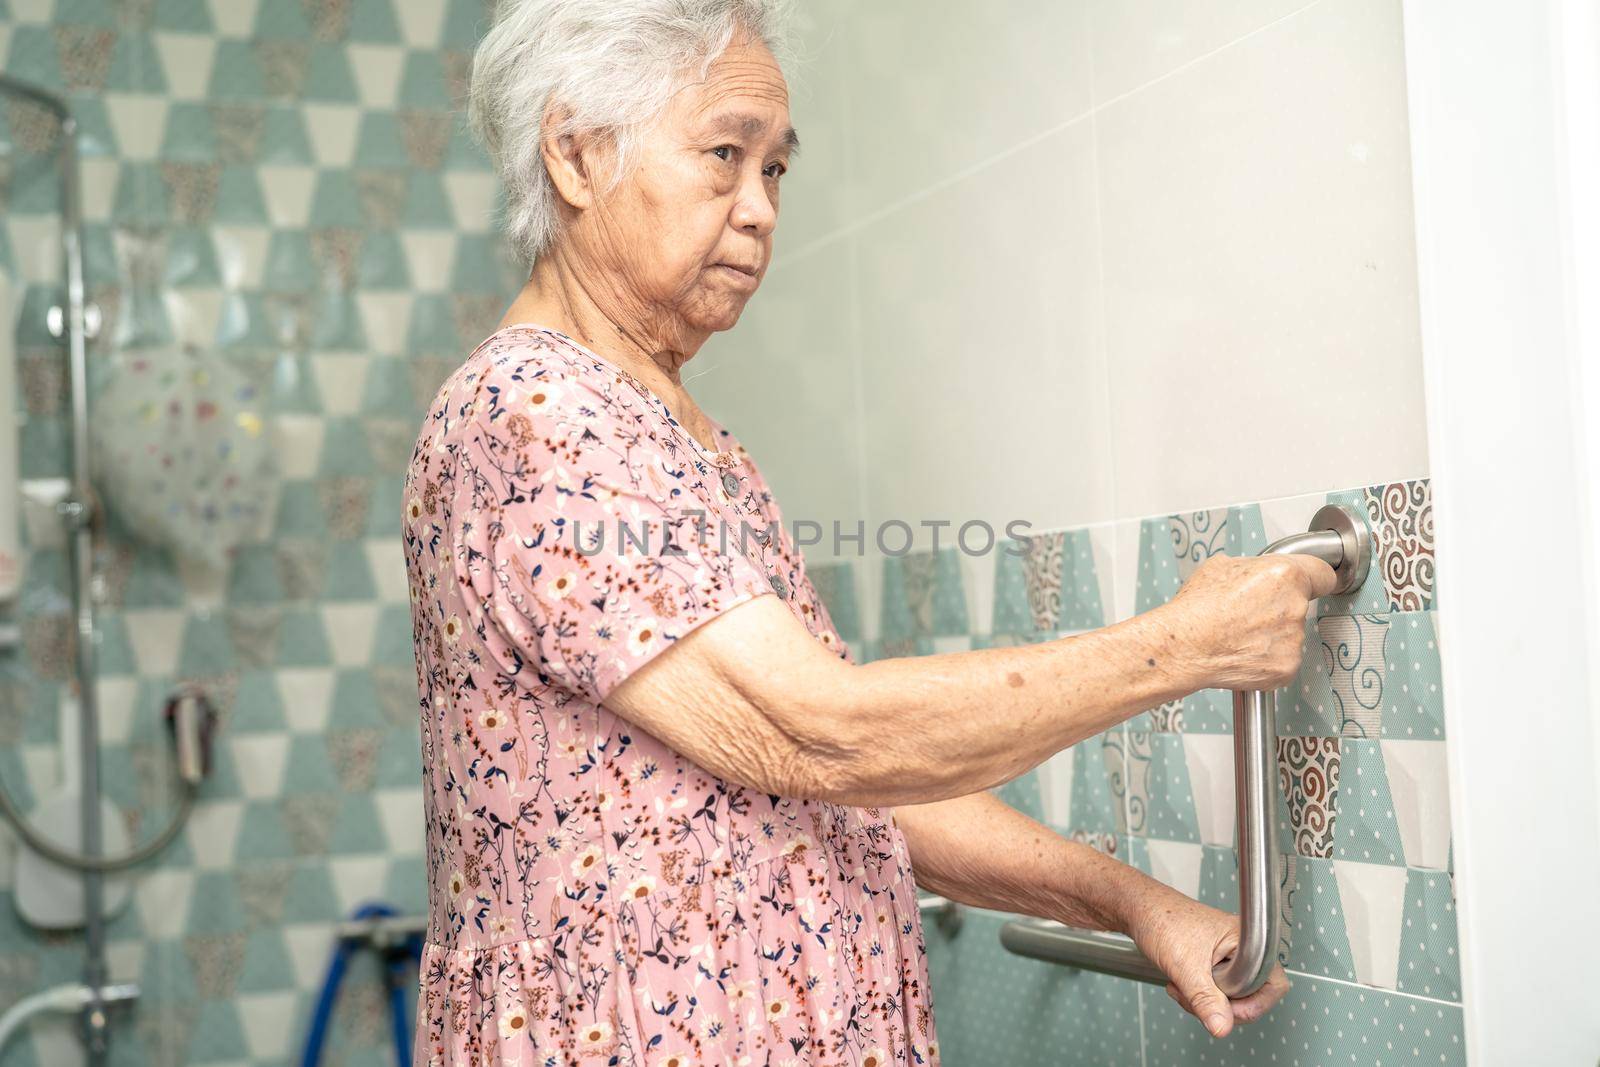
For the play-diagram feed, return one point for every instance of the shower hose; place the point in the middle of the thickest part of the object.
(400, 960)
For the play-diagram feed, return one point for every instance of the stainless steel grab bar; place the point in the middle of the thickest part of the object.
(1340, 538)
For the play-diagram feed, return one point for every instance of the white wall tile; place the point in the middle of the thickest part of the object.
(934, 88)
(783, 381)
(983, 378)
(1176, 863)
(815, 198)
(1210, 763)
(1260, 272)
(1133, 42)
(1420, 788)
(1372, 896)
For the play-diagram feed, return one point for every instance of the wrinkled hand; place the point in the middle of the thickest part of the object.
(1186, 939)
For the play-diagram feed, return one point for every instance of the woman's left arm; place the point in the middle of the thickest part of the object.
(980, 851)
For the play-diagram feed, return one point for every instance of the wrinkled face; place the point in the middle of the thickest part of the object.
(689, 232)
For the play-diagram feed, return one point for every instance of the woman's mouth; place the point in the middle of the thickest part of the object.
(739, 275)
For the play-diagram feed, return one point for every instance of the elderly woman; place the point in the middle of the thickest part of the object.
(669, 819)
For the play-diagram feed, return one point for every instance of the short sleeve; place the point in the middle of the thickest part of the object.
(583, 543)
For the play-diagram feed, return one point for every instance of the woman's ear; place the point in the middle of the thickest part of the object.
(564, 159)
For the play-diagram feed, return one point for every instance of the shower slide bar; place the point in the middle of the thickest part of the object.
(1340, 538)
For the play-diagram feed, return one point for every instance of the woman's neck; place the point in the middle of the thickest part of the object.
(564, 299)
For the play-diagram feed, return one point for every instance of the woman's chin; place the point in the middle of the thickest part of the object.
(718, 314)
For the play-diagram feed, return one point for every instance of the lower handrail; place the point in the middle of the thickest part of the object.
(1340, 538)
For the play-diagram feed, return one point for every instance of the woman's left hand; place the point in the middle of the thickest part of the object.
(1186, 939)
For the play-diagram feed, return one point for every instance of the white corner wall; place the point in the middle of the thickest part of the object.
(1504, 148)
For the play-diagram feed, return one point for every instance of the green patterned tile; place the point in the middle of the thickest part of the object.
(1096, 795)
(136, 65)
(465, 22)
(1081, 608)
(393, 645)
(383, 262)
(1022, 793)
(991, 1007)
(236, 73)
(284, 138)
(311, 896)
(218, 1033)
(380, 142)
(192, 259)
(1366, 831)
(355, 701)
(372, 22)
(181, 16)
(267, 965)
(240, 200)
(336, 199)
(1429, 961)
(1413, 697)
(84, 13)
(338, 323)
(1157, 579)
(426, 205)
(302, 641)
(98, 137)
(300, 510)
(262, 834)
(1219, 877)
(422, 81)
(1317, 1024)
(206, 646)
(406, 886)
(344, 449)
(383, 508)
(189, 133)
(257, 705)
(357, 828)
(290, 266)
(329, 78)
(33, 57)
(214, 905)
(1319, 943)
(399, 759)
(285, 21)
(308, 769)
(141, 195)
(463, 153)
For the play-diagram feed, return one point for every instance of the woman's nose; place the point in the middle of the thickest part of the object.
(756, 210)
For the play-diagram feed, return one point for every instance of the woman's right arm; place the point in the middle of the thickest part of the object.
(753, 698)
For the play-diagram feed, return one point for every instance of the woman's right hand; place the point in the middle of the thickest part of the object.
(1240, 621)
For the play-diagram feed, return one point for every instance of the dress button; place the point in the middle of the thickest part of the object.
(778, 586)
(730, 482)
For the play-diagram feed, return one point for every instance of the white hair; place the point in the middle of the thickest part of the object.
(612, 64)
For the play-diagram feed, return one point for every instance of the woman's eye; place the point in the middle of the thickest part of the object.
(728, 148)
(779, 168)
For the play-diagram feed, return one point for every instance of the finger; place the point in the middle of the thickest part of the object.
(1249, 1009)
(1206, 1002)
(1320, 576)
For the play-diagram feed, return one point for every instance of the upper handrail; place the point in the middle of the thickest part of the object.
(1338, 536)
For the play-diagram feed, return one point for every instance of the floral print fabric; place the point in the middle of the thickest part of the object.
(596, 898)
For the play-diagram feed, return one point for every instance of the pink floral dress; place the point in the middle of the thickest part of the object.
(595, 897)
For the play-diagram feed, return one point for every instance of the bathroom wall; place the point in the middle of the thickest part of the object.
(1142, 275)
(287, 186)
(1139, 274)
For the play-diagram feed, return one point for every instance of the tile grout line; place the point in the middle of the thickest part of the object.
(1379, 990)
(1197, 60)
(877, 214)
(1098, 523)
